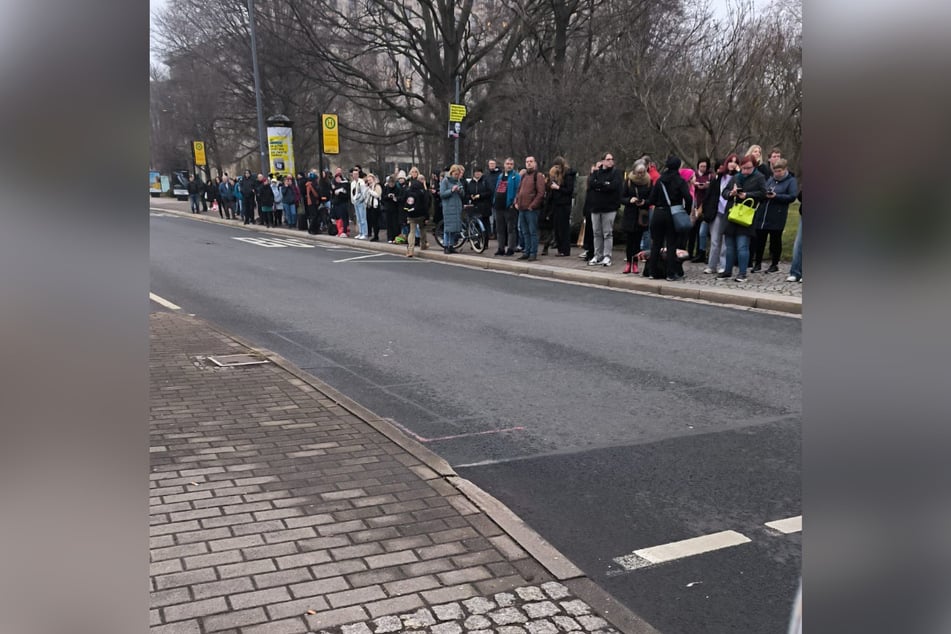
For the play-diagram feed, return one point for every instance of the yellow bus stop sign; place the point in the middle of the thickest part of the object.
(330, 133)
(199, 148)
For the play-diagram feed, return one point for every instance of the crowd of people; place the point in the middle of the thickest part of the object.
(722, 213)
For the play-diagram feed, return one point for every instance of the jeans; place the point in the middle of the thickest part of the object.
(361, 210)
(193, 198)
(717, 252)
(704, 235)
(602, 228)
(737, 253)
(290, 214)
(528, 226)
(796, 268)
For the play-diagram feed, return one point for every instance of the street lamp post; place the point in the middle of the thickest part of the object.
(257, 91)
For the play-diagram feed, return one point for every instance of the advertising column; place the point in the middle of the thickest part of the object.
(280, 142)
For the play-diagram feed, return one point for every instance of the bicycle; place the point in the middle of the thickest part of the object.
(472, 230)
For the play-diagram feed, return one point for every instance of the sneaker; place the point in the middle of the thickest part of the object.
(606, 261)
(708, 270)
(723, 276)
(499, 252)
(757, 268)
(585, 256)
(519, 249)
(524, 256)
(739, 279)
(772, 269)
(792, 278)
(594, 261)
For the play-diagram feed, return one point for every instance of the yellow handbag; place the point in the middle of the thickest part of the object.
(742, 213)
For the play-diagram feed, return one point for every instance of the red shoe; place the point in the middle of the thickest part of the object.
(627, 268)
(634, 268)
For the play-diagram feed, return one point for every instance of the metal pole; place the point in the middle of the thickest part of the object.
(455, 152)
(262, 140)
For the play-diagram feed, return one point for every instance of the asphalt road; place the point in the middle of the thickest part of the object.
(609, 421)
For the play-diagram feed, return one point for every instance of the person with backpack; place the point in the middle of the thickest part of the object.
(528, 203)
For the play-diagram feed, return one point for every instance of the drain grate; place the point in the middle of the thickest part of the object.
(235, 360)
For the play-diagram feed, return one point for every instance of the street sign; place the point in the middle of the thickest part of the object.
(457, 112)
(199, 149)
(331, 136)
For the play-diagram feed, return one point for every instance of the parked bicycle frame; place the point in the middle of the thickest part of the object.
(473, 231)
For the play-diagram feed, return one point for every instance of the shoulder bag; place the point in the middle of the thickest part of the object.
(679, 215)
(742, 213)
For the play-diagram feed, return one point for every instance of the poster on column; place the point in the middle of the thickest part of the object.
(280, 143)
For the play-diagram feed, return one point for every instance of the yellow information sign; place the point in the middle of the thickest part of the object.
(457, 112)
(199, 148)
(331, 136)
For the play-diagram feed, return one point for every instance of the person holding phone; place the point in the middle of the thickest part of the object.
(770, 218)
(749, 183)
(637, 187)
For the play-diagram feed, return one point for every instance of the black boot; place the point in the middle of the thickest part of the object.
(701, 257)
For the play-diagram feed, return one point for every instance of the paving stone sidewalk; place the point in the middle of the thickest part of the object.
(275, 509)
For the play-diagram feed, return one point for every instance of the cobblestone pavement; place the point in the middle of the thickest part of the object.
(768, 283)
(275, 509)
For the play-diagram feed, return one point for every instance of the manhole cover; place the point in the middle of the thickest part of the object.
(232, 360)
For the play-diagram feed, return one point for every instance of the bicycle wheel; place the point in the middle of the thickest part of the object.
(437, 234)
(477, 236)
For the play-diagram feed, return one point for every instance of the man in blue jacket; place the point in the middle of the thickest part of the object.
(503, 203)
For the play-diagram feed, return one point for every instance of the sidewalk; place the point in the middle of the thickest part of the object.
(764, 291)
(278, 505)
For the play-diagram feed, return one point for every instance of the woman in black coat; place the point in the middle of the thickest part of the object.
(391, 204)
(561, 189)
(637, 189)
(749, 183)
(670, 186)
(771, 215)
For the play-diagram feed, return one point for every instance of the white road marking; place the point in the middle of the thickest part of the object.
(788, 525)
(678, 550)
(275, 242)
(360, 257)
(164, 302)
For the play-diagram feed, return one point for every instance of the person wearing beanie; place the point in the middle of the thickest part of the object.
(669, 190)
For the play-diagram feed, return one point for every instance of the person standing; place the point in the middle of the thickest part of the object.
(604, 188)
(373, 195)
(492, 178)
(503, 204)
(289, 200)
(416, 209)
(452, 191)
(669, 190)
(265, 198)
(700, 231)
(561, 191)
(637, 189)
(358, 196)
(714, 210)
(479, 195)
(749, 184)
(210, 195)
(795, 269)
(194, 189)
(528, 203)
(771, 215)
(339, 210)
(390, 202)
(226, 194)
(278, 213)
(248, 190)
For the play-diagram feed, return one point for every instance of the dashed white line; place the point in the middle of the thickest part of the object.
(787, 526)
(164, 302)
(678, 550)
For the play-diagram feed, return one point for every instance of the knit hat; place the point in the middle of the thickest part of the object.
(672, 163)
(401, 174)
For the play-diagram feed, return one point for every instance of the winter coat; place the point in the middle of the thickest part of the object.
(561, 197)
(264, 195)
(711, 203)
(451, 203)
(278, 198)
(414, 201)
(754, 186)
(479, 193)
(211, 191)
(772, 212)
(226, 191)
(604, 190)
(248, 188)
(373, 195)
(630, 219)
(677, 190)
(514, 180)
(288, 195)
(194, 187)
(391, 198)
(531, 192)
(358, 192)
